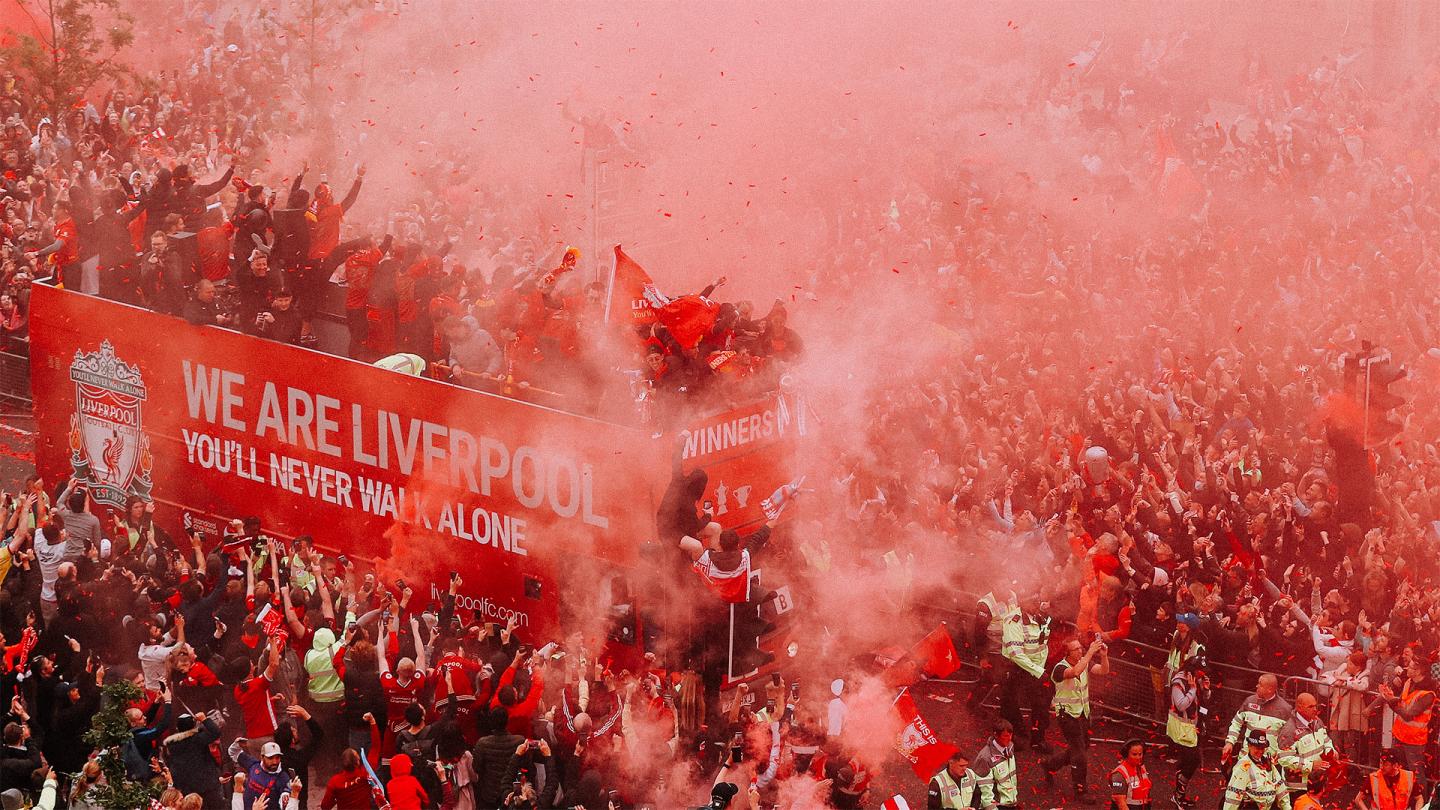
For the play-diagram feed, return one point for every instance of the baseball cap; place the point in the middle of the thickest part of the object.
(270, 749)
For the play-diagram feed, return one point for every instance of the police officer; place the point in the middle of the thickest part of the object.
(1265, 710)
(954, 787)
(1072, 709)
(1129, 781)
(1255, 782)
(991, 611)
(1305, 745)
(1025, 636)
(994, 768)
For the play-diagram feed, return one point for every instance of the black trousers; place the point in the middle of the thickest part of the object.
(995, 674)
(1187, 762)
(1020, 690)
(1076, 731)
(120, 283)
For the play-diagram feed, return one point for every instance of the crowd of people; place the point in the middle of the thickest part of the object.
(1191, 442)
(1197, 434)
(140, 198)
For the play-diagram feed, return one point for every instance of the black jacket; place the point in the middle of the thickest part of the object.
(298, 758)
(188, 753)
(495, 767)
(363, 693)
(17, 767)
(189, 198)
(110, 235)
(65, 746)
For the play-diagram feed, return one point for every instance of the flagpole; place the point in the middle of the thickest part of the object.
(610, 287)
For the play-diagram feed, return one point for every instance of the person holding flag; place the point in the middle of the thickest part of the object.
(954, 786)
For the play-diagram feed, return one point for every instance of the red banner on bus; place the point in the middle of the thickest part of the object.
(427, 476)
(747, 452)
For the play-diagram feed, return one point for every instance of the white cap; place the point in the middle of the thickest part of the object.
(270, 749)
(837, 686)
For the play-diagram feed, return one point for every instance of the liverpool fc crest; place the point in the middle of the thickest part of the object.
(108, 447)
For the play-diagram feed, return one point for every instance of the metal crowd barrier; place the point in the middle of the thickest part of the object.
(1136, 691)
(15, 375)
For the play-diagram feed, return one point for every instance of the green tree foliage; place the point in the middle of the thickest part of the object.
(109, 732)
(85, 38)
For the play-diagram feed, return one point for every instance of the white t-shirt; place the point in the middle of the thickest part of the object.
(49, 556)
(152, 663)
(836, 722)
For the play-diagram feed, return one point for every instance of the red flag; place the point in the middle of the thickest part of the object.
(270, 620)
(689, 318)
(936, 653)
(933, 655)
(213, 246)
(137, 229)
(632, 292)
(917, 742)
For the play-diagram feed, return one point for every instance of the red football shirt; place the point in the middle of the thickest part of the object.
(398, 698)
(256, 707)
